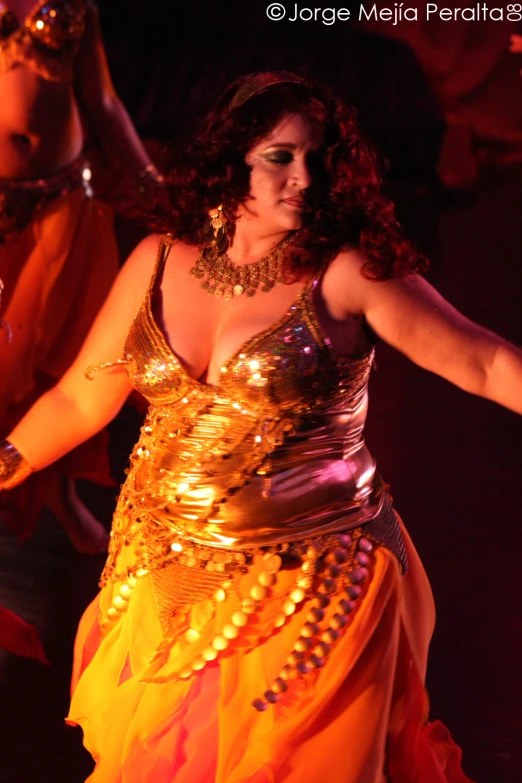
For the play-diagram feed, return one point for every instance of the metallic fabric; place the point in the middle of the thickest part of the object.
(271, 456)
(46, 41)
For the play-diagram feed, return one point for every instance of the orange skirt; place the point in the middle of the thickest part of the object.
(359, 719)
(57, 272)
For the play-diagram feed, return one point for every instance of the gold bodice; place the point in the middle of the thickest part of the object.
(273, 454)
(46, 41)
(250, 500)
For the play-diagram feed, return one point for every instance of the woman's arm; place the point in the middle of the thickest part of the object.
(77, 408)
(104, 111)
(411, 316)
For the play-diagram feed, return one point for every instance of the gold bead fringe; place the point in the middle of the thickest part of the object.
(342, 568)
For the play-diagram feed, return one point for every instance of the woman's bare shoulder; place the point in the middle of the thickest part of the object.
(348, 262)
(140, 264)
(344, 282)
(137, 270)
(350, 285)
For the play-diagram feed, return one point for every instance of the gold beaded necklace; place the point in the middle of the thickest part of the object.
(224, 278)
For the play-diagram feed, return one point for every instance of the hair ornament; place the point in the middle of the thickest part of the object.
(259, 82)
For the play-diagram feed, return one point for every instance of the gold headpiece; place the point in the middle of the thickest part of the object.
(259, 82)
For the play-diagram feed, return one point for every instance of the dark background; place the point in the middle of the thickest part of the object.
(454, 462)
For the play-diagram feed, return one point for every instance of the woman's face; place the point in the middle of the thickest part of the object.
(280, 174)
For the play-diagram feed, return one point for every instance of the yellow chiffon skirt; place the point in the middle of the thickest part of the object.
(56, 273)
(359, 719)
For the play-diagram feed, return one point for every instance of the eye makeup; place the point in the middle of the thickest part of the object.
(280, 157)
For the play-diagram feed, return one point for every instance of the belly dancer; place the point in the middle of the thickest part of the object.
(58, 255)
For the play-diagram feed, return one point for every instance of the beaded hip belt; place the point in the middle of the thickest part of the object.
(22, 199)
(244, 598)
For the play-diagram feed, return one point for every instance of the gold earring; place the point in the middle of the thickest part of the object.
(215, 228)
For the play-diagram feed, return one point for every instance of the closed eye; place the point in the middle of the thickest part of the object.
(279, 157)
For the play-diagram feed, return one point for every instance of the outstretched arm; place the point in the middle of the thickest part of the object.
(76, 408)
(411, 316)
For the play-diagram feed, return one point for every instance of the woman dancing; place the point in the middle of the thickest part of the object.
(263, 614)
(58, 256)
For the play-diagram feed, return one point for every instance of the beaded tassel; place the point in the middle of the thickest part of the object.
(254, 603)
(120, 602)
(316, 640)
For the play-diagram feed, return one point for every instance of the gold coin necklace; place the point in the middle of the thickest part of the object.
(224, 278)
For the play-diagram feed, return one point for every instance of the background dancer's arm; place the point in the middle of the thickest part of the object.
(76, 408)
(105, 113)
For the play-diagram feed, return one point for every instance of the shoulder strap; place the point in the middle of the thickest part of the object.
(315, 279)
(161, 258)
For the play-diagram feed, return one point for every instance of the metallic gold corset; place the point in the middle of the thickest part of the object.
(46, 41)
(273, 454)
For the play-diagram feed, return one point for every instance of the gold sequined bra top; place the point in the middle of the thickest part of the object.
(46, 41)
(272, 455)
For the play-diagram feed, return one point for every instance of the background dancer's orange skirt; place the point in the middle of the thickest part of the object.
(57, 272)
(360, 719)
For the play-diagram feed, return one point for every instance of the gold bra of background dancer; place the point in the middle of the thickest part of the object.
(226, 279)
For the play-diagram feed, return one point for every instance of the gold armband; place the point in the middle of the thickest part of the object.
(14, 468)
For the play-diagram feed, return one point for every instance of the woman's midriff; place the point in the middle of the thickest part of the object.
(40, 126)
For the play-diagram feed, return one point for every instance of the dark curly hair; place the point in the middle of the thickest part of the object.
(345, 205)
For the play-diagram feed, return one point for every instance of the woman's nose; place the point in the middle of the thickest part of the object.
(300, 174)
